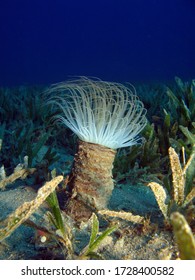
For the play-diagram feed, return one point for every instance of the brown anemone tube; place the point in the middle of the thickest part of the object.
(91, 182)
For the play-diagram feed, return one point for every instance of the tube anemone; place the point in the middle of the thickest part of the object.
(105, 116)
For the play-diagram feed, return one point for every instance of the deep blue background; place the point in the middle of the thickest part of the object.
(45, 41)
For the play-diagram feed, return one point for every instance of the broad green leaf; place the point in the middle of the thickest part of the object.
(94, 230)
(184, 236)
(54, 204)
(188, 134)
(173, 98)
(100, 238)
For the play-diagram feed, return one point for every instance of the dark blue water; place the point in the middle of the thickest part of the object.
(45, 41)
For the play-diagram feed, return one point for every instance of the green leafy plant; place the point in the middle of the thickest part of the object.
(184, 236)
(179, 198)
(182, 102)
(139, 162)
(190, 150)
(57, 219)
(96, 238)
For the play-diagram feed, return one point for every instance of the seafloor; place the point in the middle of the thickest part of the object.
(26, 129)
(129, 241)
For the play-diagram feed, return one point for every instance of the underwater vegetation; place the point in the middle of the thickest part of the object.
(180, 197)
(184, 236)
(116, 142)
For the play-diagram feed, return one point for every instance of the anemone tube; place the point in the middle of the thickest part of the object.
(105, 116)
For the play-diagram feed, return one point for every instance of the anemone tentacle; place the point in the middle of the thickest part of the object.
(105, 113)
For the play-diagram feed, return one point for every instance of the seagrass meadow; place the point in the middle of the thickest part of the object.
(98, 170)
